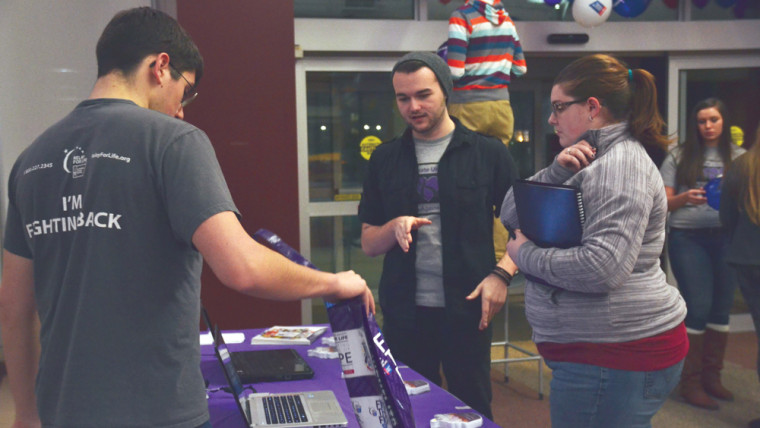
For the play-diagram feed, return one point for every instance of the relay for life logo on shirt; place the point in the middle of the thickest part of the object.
(75, 162)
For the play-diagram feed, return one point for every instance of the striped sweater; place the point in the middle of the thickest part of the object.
(484, 52)
(611, 288)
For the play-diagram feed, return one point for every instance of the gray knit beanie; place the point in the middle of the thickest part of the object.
(433, 62)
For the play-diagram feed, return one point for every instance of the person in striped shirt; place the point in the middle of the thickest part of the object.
(484, 53)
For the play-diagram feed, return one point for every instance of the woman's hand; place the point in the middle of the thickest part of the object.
(513, 246)
(577, 156)
(695, 196)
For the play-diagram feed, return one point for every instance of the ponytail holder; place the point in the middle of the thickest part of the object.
(630, 75)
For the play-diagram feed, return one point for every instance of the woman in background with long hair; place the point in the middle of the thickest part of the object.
(696, 246)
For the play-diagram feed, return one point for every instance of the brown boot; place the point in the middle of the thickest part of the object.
(712, 363)
(691, 376)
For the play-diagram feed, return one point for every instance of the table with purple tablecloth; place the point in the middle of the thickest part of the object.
(224, 413)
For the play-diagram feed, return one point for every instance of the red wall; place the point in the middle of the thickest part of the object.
(246, 105)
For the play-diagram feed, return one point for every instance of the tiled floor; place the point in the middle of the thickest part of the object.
(516, 403)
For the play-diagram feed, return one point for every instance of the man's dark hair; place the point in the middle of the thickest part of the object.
(409, 66)
(133, 34)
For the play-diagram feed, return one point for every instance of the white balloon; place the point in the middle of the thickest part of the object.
(590, 13)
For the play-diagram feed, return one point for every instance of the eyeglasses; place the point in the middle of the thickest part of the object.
(190, 93)
(558, 107)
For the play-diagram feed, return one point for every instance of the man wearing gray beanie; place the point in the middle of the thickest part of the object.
(435, 64)
(428, 204)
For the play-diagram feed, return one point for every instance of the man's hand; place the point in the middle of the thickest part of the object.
(577, 156)
(402, 229)
(349, 285)
(493, 294)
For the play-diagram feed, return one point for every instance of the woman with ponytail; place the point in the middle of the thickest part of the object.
(696, 247)
(603, 316)
(740, 215)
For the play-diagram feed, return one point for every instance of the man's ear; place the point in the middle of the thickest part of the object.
(160, 67)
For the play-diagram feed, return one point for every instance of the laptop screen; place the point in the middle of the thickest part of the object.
(229, 369)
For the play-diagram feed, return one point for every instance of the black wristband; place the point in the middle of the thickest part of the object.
(502, 274)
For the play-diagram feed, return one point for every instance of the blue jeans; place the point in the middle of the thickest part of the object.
(749, 282)
(706, 282)
(586, 396)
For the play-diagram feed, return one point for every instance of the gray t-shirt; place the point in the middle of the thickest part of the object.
(694, 216)
(105, 202)
(429, 262)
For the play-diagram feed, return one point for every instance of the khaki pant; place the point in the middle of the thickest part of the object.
(492, 118)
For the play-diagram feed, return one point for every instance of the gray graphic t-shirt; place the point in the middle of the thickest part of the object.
(695, 216)
(429, 263)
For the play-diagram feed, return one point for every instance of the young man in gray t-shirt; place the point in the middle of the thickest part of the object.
(111, 214)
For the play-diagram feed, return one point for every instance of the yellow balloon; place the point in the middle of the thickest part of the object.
(737, 135)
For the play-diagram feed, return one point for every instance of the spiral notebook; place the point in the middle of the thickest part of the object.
(550, 215)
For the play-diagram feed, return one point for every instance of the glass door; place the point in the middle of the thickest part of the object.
(732, 78)
(346, 108)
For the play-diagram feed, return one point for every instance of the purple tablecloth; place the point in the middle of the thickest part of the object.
(224, 413)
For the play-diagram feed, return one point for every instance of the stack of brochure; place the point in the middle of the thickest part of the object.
(288, 335)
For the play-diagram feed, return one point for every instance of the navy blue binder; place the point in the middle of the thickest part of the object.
(550, 215)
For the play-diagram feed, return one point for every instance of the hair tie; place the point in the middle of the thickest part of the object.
(630, 75)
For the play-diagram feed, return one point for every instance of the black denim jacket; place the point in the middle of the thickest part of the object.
(474, 174)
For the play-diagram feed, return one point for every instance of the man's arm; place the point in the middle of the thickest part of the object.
(244, 265)
(378, 240)
(493, 292)
(20, 332)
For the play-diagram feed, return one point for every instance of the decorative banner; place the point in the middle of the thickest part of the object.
(630, 8)
(725, 3)
(671, 3)
(700, 3)
(590, 13)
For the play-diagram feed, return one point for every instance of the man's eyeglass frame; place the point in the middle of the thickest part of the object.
(190, 95)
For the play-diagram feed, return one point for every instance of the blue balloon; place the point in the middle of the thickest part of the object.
(630, 8)
(712, 192)
(725, 3)
(552, 2)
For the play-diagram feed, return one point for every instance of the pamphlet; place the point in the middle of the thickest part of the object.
(288, 335)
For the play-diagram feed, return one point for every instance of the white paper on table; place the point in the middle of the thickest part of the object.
(229, 337)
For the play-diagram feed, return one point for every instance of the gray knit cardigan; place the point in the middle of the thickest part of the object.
(610, 288)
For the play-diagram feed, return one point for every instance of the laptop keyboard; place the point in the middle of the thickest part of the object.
(284, 409)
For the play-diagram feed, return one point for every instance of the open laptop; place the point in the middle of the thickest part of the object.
(293, 409)
(264, 365)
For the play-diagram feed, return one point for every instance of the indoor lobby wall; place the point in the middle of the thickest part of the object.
(246, 105)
